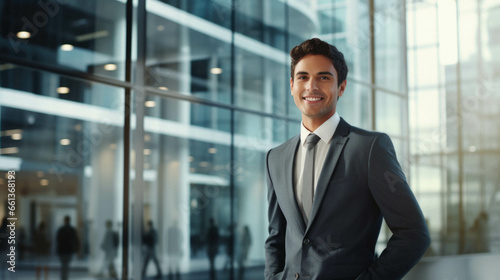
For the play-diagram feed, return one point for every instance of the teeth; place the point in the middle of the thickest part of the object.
(312, 98)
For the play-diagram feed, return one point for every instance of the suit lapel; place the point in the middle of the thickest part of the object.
(289, 174)
(339, 139)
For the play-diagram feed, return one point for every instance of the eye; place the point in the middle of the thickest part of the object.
(301, 77)
(325, 78)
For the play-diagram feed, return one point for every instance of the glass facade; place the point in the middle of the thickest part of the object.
(147, 123)
(454, 126)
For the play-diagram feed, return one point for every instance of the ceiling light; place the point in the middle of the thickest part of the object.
(6, 66)
(160, 27)
(78, 127)
(63, 90)
(23, 35)
(163, 88)
(110, 67)
(67, 47)
(92, 36)
(216, 71)
(212, 150)
(17, 136)
(191, 159)
(204, 163)
(147, 151)
(147, 137)
(44, 182)
(10, 150)
(11, 132)
(194, 203)
(65, 142)
(150, 103)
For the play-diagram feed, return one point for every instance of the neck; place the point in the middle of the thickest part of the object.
(313, 123)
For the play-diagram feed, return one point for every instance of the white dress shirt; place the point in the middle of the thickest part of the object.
(325, 132)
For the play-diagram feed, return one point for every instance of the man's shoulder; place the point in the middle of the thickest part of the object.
(361, 132)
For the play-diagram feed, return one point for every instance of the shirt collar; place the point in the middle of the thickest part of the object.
(324, 131)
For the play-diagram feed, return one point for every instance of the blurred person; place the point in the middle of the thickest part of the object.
(480, 241)
(109, 245)
(174, 251)
(330, 187)
(149, 240)
(245, 241)
(212, 239)
(229, 246)
(41, 248)
(67, 244)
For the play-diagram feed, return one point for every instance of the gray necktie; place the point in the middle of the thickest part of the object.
(308, 175)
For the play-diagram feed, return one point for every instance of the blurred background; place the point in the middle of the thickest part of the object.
(145, 123)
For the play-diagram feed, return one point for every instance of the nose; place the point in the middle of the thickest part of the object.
(311, 85)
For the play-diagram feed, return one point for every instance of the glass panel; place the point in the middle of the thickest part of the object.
(454, 124)
(390, 112)
(426, 129)
(263, 21)
(333, 19)
(187, 193)
(88, 37)
(354, 105)
(67, 155)
(17, 80)
(250, 197)
(216, 11)
(389, 62)
(261, 80)
(196, 57)
(354, 43)
(425, 17)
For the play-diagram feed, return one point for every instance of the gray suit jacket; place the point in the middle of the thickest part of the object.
(361, 182)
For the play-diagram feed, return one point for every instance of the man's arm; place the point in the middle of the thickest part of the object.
(275, 243)
(410, 236)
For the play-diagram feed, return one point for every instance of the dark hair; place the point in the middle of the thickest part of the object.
(316, 46)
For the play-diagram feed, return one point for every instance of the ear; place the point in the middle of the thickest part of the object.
(342, 88)
(291, 86)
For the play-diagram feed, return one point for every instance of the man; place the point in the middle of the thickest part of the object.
(67, 245)
(212, 239)
(327, 200)
(109, 245)
(149, 240)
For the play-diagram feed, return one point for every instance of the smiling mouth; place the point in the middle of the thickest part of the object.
(312, 98)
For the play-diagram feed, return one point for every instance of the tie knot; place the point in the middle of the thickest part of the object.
(311, 140)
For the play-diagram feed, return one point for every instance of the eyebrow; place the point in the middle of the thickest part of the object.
(319, 73)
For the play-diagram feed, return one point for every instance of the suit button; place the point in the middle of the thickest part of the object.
(307, 241)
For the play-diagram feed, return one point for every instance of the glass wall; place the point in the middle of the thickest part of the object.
(453, 80)
(147, 124)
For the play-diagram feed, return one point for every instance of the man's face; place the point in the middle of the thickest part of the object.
(315, 89)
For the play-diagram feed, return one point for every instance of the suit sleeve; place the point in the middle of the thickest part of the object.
(410, 236)
(275, 243)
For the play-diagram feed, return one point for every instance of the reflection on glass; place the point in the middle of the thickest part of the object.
(66, 155)
(454, 124)
(187, 192)
(88, 38)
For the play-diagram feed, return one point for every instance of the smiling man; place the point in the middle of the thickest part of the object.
(330, 187)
